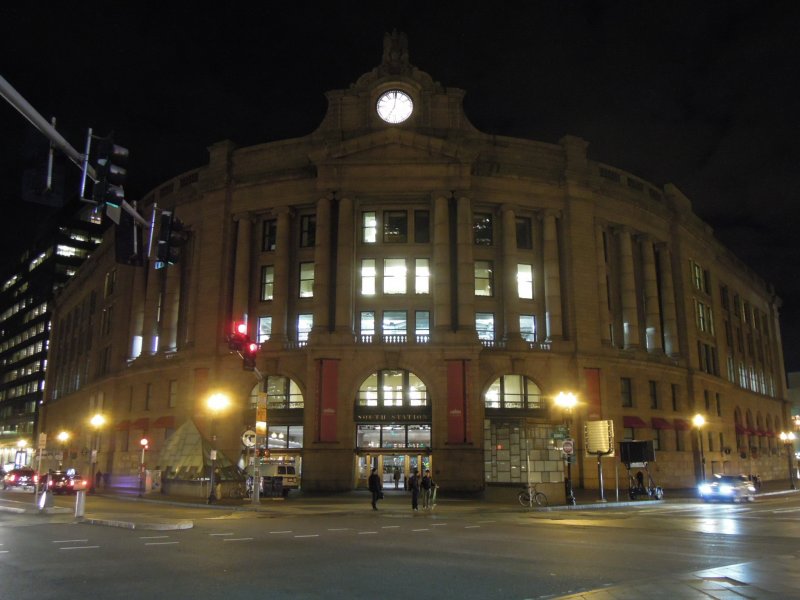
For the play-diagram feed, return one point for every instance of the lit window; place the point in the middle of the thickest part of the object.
(395, 227)
(267, 283)
(422, 273)
(483, 278)
(369, 228)
(484, 325)
(527, 327)
(482, 229)
(392, 387)
(283, 393)
(525, 281)
(368, 277)
(513, 392)
(264, 329)
(304, 325)
(307, 280)
(394, 276)
(422, 323)
(395, 322)
(367, 322)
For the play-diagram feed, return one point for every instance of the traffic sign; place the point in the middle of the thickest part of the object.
(568, 447)
(249, 438)
(560, 432)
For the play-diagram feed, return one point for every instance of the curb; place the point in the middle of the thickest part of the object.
(131, 525)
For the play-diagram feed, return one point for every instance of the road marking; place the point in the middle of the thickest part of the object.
(67, 541)
(488, 521)
(438, 524)
(420, 530)
(391, 527)
(237, 539)
(231, 533)
(472, 527)
(78, 547)
(367, 532)
(153, 537)
(339, 529)
(287, 531)
(3, 551)
(304, 536)
(162, 543)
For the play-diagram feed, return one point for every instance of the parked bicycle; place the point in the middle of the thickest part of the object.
(530, 496)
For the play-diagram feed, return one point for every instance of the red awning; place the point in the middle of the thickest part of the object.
(123, 425)
(142, 423)
(635, 422)
(762, 432)
(742, 430)
(659, 423)
(682, 425)
(167, 422)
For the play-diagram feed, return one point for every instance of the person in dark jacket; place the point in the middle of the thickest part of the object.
(427, 485)
(375, 486)
(413, 485)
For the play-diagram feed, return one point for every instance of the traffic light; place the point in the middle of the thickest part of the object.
(249, 356)
(128, 241)
(239, 338)
(111, 173)
(172, 235)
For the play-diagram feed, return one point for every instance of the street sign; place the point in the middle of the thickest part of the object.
(560, 432)
(42, 441)
(249, 438)
(568, 447)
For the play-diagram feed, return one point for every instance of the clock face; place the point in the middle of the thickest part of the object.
(395, 106)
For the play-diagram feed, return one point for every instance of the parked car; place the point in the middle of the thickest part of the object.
(285, 474)
(24, 478)
(733, 488)
(66, 482)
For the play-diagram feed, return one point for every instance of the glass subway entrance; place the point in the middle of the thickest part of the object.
(394, 469)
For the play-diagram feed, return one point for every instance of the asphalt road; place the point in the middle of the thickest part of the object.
(458, 551)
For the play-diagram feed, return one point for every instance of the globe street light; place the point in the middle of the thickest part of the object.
(567, 401)
(97, 422)
(788, 440)
(63, 438)
(699, 420)
(216, 403)
(143, 443)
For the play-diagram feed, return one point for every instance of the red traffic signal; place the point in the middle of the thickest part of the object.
(239, 338)
(249, 356)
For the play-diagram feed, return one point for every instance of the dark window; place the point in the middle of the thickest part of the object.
(674, 397)
(270, 235)
(653, 394)
(308, 231)
(524, 238)
(482, 229)
(395, 227)
(422, 226)
(626, 392)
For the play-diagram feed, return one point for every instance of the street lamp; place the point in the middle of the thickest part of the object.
(97, 422)
(788, 440)
(216, 403)
(567, 401)
(699, 420)
(63, 438)
(143, 442)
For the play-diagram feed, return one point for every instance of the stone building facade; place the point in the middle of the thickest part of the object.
(421, 292)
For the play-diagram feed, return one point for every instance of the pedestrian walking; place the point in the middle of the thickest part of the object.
(396, 477)
(426, 484)
(98, 478)
(413, 485)
(375, 486)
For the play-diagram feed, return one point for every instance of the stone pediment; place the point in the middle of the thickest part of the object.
(393, 145)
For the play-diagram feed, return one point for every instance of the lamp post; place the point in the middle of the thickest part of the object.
(143, 442)
(216, 403)
(97, 422)
(699, 420)
(788, 440)
(63, 438)
(567, 401)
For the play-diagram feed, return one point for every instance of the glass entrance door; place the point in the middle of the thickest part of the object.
(390, 466)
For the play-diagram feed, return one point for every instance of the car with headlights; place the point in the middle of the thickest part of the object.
(66, 482)
(23, 478)
(728, 488)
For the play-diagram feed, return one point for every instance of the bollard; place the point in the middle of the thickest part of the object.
(45, 500)
(80, 503)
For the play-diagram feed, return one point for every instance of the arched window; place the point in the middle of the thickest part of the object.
(392, 387)
(514, 392)
(282, 393)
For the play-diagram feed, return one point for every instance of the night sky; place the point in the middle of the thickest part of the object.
(700, 94)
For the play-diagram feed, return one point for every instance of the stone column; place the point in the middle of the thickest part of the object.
(322, 267)
(466, 266)
(152, 306)
(671, 340)
(241, 269)
(137, 312)
(552, 279)
(280, 296)
(511, 300)
(602, 288)
(168, 338)
(652, 309)
(630, 317)
(442, 317)
(345, 268)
